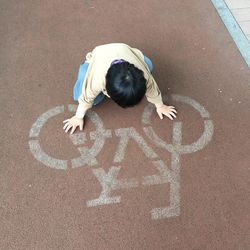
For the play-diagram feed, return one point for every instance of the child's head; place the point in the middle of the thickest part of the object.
(125, 84)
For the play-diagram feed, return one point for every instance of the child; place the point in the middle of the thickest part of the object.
(119, 72)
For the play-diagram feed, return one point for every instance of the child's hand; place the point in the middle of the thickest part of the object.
(73, 123)
(168, 111)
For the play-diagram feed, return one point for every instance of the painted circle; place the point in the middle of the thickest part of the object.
(40, 155)
(177, 147)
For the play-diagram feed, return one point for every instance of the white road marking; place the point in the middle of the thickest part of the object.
(47, 160)
(204, 139)
(34, 144)
(36, 127)
(88, 155)
(109, 181)
(174, 179)
(130, 133)
(164, 175)
(176, 149)
(78, 138)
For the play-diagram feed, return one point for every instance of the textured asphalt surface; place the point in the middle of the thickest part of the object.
(202, 204)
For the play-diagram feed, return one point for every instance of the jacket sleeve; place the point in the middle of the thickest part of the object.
(90, 91)
(153, 93)
(92, 86)
(83, 106)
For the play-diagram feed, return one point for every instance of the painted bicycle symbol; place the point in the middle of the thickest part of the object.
(109, 180)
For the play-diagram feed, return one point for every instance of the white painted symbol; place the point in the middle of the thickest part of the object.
(87, 155)
(109, 179)
(110, 182)
(171, 175)
(176, 149)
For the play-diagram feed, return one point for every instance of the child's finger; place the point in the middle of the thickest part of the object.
(173, 110)
(72, 130)
(65, 125)
(173, 114)
(81, 126)
(169, 116)
(65, 120)
(68, 128)
(160, 115)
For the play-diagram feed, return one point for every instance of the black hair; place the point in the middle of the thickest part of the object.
(125, 84)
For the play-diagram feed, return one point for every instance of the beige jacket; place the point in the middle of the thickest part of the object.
(99, 61)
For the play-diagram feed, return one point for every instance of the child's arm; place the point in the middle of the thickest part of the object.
(153, 95)
(86, 101)
(78, 119)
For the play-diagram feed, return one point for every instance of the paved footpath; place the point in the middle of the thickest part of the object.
(129, 180)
